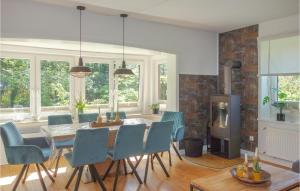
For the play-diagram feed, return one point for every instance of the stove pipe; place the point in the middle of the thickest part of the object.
(228, 66)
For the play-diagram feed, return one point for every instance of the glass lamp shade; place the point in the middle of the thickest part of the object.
(80, 71)
(123, 70)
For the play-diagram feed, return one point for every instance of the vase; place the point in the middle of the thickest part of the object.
(280, 117)
(155, 111)
(256, 176)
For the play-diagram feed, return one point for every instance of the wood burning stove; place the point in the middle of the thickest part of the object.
(225, 118)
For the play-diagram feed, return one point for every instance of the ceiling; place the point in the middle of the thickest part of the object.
(211, 15)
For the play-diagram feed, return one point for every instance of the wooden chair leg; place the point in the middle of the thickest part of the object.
(124, 165)
(170, 160)
(26, 172)
(108, 170)
(161, 154)
(134, 171)
(138, 162)
(162, 165)
(78, 178)
(57, 162)
(71, 177)
(40, 177)
(47, 172)
(99, 179)
(146, 170)
(152, 166)
(20, 176)
(92, 173)
(177, 152)
(116, 176)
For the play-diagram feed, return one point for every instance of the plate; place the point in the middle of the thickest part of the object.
(265, 177)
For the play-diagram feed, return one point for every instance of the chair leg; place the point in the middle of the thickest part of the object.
(125, 168)
(92, 173)
(162, 165)
(161, 154)
(134, 171)
(47, 172)
(40, 177)
(78, 178)
(108, 170)
(177, 152)
(57, 162)
(170, 160)
(138, 162)
(146, 170)
(99, 179)
(116, 176)
(25, 176)
(71, 177)
(152, 166)
(20, 176)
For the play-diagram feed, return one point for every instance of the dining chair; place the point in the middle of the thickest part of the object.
(296, 166)
(112, 115)
(177, 129)
(25, 151)
(90, 147)
(87, 117)
(158, 140)
(128, 143)
(61, 144)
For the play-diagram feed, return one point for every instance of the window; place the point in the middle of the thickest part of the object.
(162, 86)
(55, 83)
(15, 83)
(97, 84)
(290, 85)
(128, 85)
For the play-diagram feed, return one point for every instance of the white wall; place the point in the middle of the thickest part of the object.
(282, 26)
(196, 51)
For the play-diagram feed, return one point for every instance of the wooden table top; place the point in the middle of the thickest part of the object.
(281, 179)
(69, 130)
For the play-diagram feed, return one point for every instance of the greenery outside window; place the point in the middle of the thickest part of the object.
(162, 77)
(14, 85)
(55, 84)
(290, 85)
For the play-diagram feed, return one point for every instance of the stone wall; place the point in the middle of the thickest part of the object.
(241, 45)
(194, 96)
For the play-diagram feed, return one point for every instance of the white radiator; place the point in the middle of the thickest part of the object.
(283, 144)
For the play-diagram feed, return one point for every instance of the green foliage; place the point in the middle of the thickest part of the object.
(281, 103)
(14, 82)
(55, 82)
(97, 84)
(290, 85)
(256, 166)
(80, 105)
(163, 82)
(154, 106)
(128, 85)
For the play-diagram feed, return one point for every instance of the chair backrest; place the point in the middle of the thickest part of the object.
(87, 117)
(59, 119)
(129, 141)
(176, 117)
(10, 135)
(112, 115)
(90, 146)
(159, 137)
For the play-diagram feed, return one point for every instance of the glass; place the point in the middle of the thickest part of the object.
(128, 85)
(55, 83)
(162, 72)
(220, 114)
(97, 84)
(14, 83)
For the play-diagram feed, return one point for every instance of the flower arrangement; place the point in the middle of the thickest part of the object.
(80, 104)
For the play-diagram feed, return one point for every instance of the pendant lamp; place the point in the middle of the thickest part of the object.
(80, 71)
(123, 70)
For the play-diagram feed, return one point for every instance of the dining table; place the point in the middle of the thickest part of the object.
(68, 131)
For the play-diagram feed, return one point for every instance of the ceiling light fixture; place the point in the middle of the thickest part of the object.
(80, 71)
(123, 70)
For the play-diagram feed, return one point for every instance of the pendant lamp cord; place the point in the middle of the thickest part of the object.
(80, 34)
(123, 37)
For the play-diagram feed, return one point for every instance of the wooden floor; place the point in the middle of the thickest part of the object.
(180, 175)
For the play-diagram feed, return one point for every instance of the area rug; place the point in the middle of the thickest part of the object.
(213, 161)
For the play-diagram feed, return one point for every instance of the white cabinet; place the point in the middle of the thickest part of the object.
(279, 139)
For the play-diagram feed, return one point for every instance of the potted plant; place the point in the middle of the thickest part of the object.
(155, 108)
(80, 105)
(256, 171)
(280, 103)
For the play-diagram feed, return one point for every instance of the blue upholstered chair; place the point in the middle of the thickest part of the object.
(158, 140)
(61, 144)
(177, 130)
(90, 147)
(112, 115)
(25, 151)
(87, 117)
(128, 143)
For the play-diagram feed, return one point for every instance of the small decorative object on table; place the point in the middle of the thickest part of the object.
(280, 103)
(80, 104)
(248, 175)
(155, 108)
